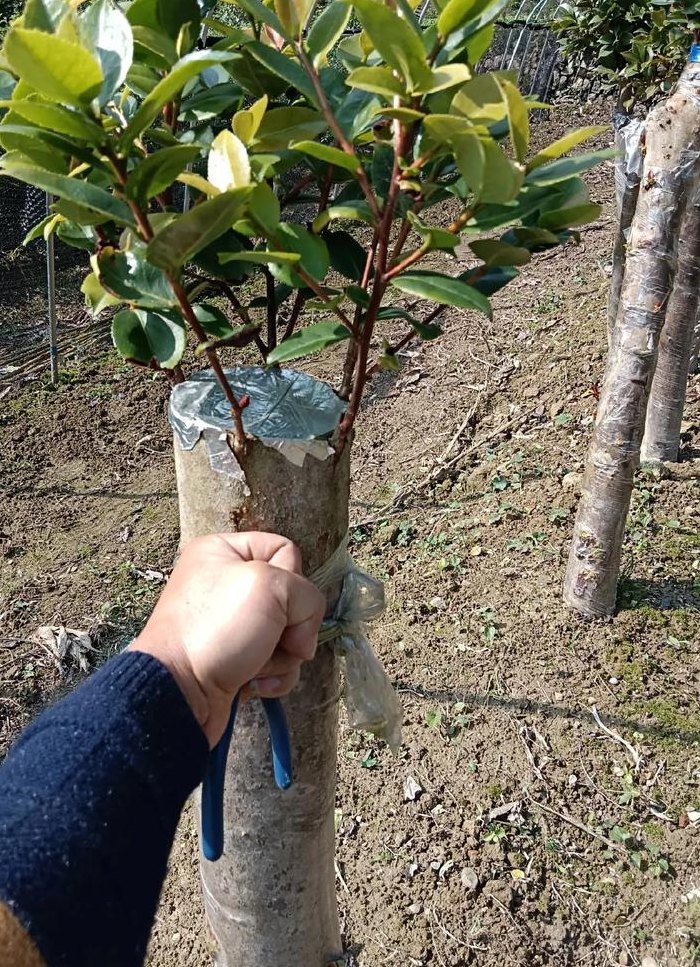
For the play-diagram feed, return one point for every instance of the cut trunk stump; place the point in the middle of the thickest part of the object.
(270, 899)
(672, 141)
(667, 398)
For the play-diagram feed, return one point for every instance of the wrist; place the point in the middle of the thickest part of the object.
(174, 658)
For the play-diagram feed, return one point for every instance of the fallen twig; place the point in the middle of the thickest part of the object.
(616, 737)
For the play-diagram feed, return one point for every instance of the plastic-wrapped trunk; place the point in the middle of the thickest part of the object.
(628, 171)
(672, 145)
(694, 366)
(270, 898)
(667, 399)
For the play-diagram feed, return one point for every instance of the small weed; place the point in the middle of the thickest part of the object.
(495, 833)
(489, 625)
(527, 543)
(563, 419)
(557, 515)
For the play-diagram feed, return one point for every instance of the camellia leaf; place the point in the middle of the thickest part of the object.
(228, 165)
(488, 281)
(357, 211)
(346, 254)
(159, 170)
(442, 289)
(245, 123)
(283, 126)
(377, 80)
(160, 51)
(305, 342)
(259, 12)
(63, 71)
(107, 33)
(143, 336)
(213, 321)
(131, 277)
(324, 152)
(81, 192)
(187, 234)
(189, 66)
(44, 15)
(260, 257)
(264, 207)
(518, 118)
(456, 12)
(286, 68)
(492, 251)
(563, 145)
(175, 14)
(54, 117)
(567, 217)
(564, 168)
(327, 29)
(449, 75)
(96, 299)
(312, 251)
(397, 42)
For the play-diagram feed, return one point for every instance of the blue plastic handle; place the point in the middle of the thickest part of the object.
(215, 775)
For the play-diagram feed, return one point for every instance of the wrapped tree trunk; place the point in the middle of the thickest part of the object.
(667, 398)
(694, 365)
(672, 141)
(628, 170)
(270, 899)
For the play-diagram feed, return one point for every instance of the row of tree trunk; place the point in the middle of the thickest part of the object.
(653, 318)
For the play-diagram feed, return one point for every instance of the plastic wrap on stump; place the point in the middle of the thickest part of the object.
(667, 398)
(672, 145)
(270, 899)
(628, 171)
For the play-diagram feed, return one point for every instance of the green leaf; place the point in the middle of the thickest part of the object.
(230, 243)
(78, 236)
(324, 152)
(159, 48)
(426, 330)
(259, 13)
(213, 321)
(445, 77)
(143, 336)
(82, 192)
(568, 217)
(59, 69)
(96, 299)
(495, 252)
(561, 170)
(207, 103)
(131, 277)
(502, 180)
(377, 80)
(311, 249)
(457, 12)
(327, 29)
(56, 118)
(245, 123)
(563, 145)
(260, 257)
(44, 15)
(357, 295)
(357, 211)
(285, 125)
(158, 171)
(174, 14)
(189, 233)
(397, 42)
(518, 118)
(184, 70)
(443, 290)
(470, 157)
(107, 33)
(312, 339)
(490, 281)
(381, 169)
(264, 208)
(284, 67)
(346, 254)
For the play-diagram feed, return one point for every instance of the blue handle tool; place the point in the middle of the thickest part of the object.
(214, 778)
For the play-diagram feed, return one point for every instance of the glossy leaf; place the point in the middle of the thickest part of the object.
(490, 280)
(131, 277)
(332, 156)
(518, 118)
(563, 145)
(154, 46)
(426, 330)
(312, 251)
(159, 170)
(59, 69)
(283, 126)
(246, 123)
(358, 211)
(175, 14)
(107, 33)
(259, 12)
(568, 217)
(54, 117)
(399, 45)
(184, 70)
(305, 342)
(456, 12)
(494, 252)
(347, 256)
(82, 192)
(234, 270)
(326, 30)
(445, 77)
(442, 289)
(96, 298)
(501, 178)
(228, 165)
(143, 336)
(213, 321)
(264, 208)
(377, 80)
(564, 168)
(261, 257)
(186, 235)
(44, 15)
(286, 68)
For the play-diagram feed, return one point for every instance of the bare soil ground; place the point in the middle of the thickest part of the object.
(545, 808)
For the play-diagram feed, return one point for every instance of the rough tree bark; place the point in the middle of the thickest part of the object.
(694, 366)
(628, 133)
(667, 398)
(672, 138)
(270, 899)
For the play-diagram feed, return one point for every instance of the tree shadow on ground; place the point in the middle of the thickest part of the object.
(663, 594)
(518, 705)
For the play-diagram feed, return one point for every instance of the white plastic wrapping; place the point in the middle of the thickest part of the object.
(629, 165)
(370, 699)
(288, 410)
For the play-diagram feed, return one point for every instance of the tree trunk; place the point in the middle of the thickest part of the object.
(628, 169)
(667, 398)
(672, 137)
(270, 899)
(694, 366)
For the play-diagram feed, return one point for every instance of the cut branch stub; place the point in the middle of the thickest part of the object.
(672, 143)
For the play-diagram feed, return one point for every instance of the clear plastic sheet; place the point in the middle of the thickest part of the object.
(628, 167)
(288, 410)
(370, 699)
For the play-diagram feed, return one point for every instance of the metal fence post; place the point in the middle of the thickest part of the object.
(51, 293)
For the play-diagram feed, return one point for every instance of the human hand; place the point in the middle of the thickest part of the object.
(235, 610)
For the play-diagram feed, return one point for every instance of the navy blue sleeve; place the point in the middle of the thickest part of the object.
(90, 796)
